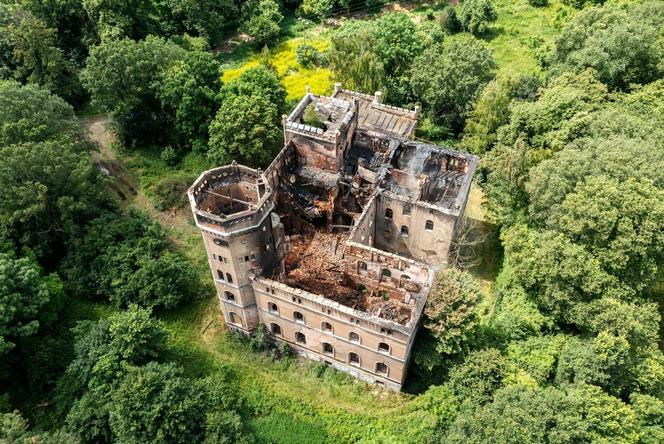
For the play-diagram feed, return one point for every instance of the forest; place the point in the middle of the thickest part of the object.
(548, 328)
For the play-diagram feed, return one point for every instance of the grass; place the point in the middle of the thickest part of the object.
(523, 33)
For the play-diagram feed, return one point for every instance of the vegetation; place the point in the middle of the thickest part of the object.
(104, 335)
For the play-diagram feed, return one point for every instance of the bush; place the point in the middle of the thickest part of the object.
(538, 2)
(171, 192)
(318, 9)
(306, 55)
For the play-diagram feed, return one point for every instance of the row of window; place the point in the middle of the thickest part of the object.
(327, 327)
(428, 225)
(328, 349)
(220, 276)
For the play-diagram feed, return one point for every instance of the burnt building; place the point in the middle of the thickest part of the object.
(335, 245)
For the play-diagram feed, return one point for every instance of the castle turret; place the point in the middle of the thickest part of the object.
(233, 206)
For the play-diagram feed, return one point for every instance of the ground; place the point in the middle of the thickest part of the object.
(293, 400)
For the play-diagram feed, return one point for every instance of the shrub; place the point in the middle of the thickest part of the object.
(538, 2)
(306, 55)
(171, 192)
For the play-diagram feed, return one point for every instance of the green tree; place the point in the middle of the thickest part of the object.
(156, 403)
(318, 9)
(479, 376)
(28, 298)
(259, 81)
(246, 130)
(448, 78)
(35, 56)
(32, 114)
(262, 20)
(620, 222)
(620, 45)
(117, 19)
(51, 188)
(14, 429)
(125, 258)
(451, 310)
(190, 88)
(353, 58)
(123, 78)
(475, 15)
(397, 45)
(207, 18)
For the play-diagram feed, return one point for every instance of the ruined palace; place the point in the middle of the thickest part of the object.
(335, 245)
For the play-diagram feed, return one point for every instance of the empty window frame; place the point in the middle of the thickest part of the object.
(381, 368)
(328, 349)
(385, 273)
(326, 326)
(275, 329)
(272, 308)
(229, 296)
(406, 210)
(383, 347)
(388, 213)
(354, 359)
(428, 225)
(404, 230)
(354, 337)
(229, 278)
(220, 275)
(298, 317)
(235, 318)
(361, 267)
(300, 338)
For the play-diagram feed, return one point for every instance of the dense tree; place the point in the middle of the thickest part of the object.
(259, 81)
(397, 44)
(190, 88)
(622, 46)
(354, 60)
(156, 402)
(448, 78)
(451, 310)
(540, 415)
(32, 54)
(475, 15)
(50, 188)
(479, 376)
(318, 9)
(32, 114)
(125, 258)
(261, 20)
(117, 19)
(620, 222)
(14, 429)
(208, 18)
(123, 79)
(28, 297)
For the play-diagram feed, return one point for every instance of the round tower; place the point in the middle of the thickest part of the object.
(232, 206)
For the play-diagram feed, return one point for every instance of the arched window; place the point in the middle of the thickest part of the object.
(234, 318)
(383, 347)
(354, 337)
(406, 210)
(298, 317)
(353, 359)
(328, 349)
(275, 329)
(428, 225)
(272, 307)
(229, 278)
(220, 275)
(229, 296)
(326, 326)
(361, 266)
(388, 213)
(381, 368)
(385, 273)
(300, 338)
(404, 230)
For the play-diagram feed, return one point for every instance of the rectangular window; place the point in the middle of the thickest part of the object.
(220, 275)
(229, 278)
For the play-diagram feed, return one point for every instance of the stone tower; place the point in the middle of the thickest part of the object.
(232, 206)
